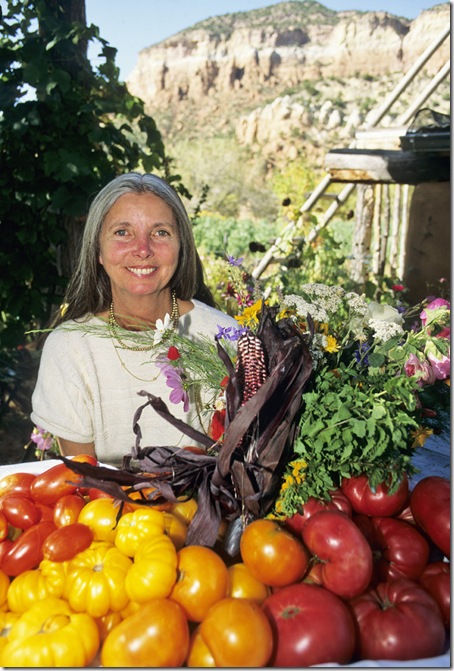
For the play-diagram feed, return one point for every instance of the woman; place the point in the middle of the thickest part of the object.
(138, 264)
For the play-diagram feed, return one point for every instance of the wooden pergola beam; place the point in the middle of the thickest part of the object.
(366, 166)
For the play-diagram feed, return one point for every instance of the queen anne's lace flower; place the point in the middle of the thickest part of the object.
(384, 331)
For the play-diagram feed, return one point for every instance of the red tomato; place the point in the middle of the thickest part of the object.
(66, 510)
(400, 550)
(310, 625)
(338, 502)
(20, 512)
(94, 493)
(379, 503)
(3, 527)
(436, 579)
(5, 546)
(430, 503)
(47, 512)
(272, 554)
(398, 620)
(67, 541)
(342, 549)
(58, 481)
(26, 552)
(16, 483)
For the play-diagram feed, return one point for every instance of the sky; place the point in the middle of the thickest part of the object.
(137, 24)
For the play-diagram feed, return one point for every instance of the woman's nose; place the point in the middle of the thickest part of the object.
(143, 247)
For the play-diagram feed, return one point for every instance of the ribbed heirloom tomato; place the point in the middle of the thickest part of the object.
(272, 554)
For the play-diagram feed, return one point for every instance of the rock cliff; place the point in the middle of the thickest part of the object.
(285, 73)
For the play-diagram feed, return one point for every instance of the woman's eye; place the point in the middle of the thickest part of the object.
(162, 232)
(121, 232)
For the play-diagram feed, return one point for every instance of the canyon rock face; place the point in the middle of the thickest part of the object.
(246, 56)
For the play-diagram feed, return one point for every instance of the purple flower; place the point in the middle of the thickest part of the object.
(42, 438)
(174, 379)
(223, 332)
(233, 261)
(361, 354)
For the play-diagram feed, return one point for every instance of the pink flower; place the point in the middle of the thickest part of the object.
(414, 367)
(398, 287)
(441, 367)
(444, 333)
(174, 379)
(438, 303)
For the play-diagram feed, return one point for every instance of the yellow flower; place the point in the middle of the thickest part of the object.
(331, 344)
(250, 314)
(420, 436)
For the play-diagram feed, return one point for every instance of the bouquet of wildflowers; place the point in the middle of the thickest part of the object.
(323, 385)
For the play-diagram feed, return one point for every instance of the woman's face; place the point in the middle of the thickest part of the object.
(139, 245)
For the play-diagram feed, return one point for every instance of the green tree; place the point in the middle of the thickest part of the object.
(66, 129)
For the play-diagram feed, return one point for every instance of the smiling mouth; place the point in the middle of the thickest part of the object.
(141, 271)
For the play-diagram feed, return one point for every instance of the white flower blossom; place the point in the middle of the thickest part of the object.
(384, 330)
(161, 328)
(356, 303)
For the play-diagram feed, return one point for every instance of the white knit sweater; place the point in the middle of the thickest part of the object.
(86, 390)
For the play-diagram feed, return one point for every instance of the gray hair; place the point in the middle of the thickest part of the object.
(89, 290)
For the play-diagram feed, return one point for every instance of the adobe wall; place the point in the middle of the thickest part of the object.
(428, 247)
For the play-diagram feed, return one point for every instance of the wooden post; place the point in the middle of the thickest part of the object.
(376, 239)
(394, 248)
(360, 266)
(403, 230)
(384, 230)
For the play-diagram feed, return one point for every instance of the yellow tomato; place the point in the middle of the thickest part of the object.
(36, 584)
(135, 527)
(243, 585)
(176, 529)
(50, 634)
(101, 515)
(154, 571)
(95, 583)
(7, 619)
(199, 654)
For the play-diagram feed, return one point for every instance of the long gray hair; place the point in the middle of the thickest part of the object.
(89, 290)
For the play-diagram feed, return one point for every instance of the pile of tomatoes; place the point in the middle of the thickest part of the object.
(84, 582)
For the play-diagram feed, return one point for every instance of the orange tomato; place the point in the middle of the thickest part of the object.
(157, 635)
(146, 494)
(235, 633)
(243, 585)
(272, 554)
(185, 509)
(175, 529)
(203, 579)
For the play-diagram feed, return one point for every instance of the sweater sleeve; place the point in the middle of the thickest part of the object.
(62, 401)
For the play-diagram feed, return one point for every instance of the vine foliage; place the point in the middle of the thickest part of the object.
(66, 129)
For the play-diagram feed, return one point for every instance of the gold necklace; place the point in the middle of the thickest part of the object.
(114, 325)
